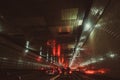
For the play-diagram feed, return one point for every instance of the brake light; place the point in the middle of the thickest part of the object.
(70, 72)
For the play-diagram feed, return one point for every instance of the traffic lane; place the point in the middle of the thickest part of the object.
(74, 76)
(81, 76)
(24, 75)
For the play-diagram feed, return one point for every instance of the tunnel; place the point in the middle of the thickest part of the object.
(59, 40)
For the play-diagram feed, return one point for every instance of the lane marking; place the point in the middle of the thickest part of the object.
(55, 77)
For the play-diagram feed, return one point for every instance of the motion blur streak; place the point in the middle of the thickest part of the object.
(59, 50)
(90, 72)
(55, 77)
(54, 50)
(99, 71)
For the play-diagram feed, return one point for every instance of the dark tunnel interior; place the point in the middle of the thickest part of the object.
(59, 40)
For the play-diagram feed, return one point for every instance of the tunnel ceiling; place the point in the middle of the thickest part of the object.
(41, 25)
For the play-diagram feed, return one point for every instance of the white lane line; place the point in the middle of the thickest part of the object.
(55, 77)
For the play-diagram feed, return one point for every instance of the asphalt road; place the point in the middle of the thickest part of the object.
(41, 75)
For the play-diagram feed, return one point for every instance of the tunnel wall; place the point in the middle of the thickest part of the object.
(13, 56)
(104, 40)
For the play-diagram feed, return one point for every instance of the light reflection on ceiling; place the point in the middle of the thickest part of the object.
(88, 26)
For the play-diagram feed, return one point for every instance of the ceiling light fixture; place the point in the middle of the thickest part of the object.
(87, 27)
(80, 22)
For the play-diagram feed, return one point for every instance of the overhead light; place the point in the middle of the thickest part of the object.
(92, 61)
(101, 59)
(97, 25)
(69, 14)
(4, 58)
(20, 61)
(82, 49)
(40, 51)
(80, 44)
(77, 49)
(47, 57)
(94, 11)
(51, 59)
(87, 27)
(80, 22)
(26, 50)
(27, 44)
(82, 37)
(111, 54)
